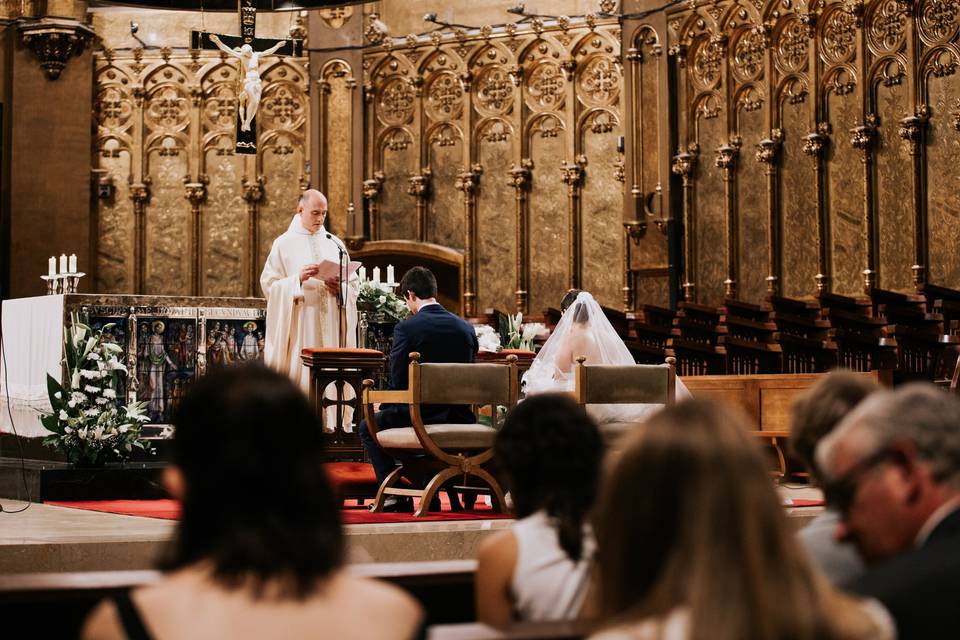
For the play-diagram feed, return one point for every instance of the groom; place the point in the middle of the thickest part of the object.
(439, 336)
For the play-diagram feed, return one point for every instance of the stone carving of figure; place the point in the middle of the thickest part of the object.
(157, 362)
(252, 86)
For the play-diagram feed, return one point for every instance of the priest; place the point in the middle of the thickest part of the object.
(302, 302)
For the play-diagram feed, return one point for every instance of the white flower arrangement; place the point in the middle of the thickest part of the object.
(517, 335)
(378, 298)
(87, 424)
(487, 338)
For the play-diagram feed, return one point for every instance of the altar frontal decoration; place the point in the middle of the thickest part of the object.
(88, 423)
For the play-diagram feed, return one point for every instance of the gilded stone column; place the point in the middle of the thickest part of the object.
(573, 178)
(814, 144)
(140, 194)
(467, 183)
(253, 196)
(683, 166)
(520, 181)
(727, 161)
(912, 129)
(371, 193)
(863, 138)
(419, 188)
(633, 230)
(196, 193)
(768, 154)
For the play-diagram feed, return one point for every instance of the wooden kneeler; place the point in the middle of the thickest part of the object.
(437, 453)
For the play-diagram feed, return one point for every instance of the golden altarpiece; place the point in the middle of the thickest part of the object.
(771, 146)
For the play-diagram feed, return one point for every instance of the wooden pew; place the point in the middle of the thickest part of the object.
(565, 630)
(694, 340)
(748, 334)
(54, 605)
(804, 336)
(862, 340)
(767, 399)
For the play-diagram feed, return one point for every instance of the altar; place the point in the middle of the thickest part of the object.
(168, 342)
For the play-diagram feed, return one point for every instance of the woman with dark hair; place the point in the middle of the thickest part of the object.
(694, 543)
(549, 451)
(259, 549)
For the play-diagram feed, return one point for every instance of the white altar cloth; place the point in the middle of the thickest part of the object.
(32, 348)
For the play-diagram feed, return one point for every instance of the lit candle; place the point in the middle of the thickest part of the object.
(63, 263)
(73, 263)
(390, 274)
(362, 273)
(52, 266)
(376, 275)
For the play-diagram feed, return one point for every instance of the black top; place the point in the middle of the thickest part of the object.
(130, 618)
(921, 588)
(439, 336)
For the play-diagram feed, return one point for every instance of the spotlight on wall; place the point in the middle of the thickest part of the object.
(430, 17)
(519, 9)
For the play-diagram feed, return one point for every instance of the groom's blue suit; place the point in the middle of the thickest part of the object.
(439, 336)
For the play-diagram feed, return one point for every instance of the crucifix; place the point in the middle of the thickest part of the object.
(248, 49)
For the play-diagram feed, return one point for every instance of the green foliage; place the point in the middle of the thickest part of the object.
(380, 300)
(88, 424)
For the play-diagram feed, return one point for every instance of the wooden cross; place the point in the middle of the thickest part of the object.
(249, 97)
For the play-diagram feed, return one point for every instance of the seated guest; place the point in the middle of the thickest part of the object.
(549, 451)
(892, 471)
(259, 548)
(815, 414)
(438, 336)
(694, 543)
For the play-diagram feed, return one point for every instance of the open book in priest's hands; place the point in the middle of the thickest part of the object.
(330, 269)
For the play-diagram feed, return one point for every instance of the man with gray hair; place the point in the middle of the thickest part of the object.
(892, 471)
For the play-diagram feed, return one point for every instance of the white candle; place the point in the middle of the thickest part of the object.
(63, 263)
(362, 273)
(73, 263)
(390, 274)
(52, 266)
(376, 275)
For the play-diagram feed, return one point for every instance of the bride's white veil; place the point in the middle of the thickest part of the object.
(583, 326)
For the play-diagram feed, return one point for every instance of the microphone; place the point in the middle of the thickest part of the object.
(341, 297)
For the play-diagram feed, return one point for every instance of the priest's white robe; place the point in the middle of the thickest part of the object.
(304, 315)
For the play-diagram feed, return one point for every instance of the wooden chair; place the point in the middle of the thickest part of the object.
(438, 453)
(623, 384)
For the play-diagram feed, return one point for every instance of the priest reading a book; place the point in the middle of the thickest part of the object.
(302, 283)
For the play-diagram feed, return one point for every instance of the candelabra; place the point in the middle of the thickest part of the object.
(62, 283)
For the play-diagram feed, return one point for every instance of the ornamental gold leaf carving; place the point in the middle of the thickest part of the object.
(444, 96)
(887, 27)
(545, 86)
(494, 91)
(599, 81)
(396, 101)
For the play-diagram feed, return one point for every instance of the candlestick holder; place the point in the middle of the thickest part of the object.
(71, 281)
(52, 284)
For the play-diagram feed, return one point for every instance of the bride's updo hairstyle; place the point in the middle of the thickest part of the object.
(550, 452)
(569, 298)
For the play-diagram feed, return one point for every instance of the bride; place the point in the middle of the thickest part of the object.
(584, 330)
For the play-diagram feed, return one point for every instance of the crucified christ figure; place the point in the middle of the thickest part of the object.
(252, 87)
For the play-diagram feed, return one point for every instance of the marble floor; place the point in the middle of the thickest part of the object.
(47, 538)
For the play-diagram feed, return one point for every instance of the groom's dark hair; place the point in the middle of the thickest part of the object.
(420, 281)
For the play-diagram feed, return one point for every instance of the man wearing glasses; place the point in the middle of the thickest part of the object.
(892, 471)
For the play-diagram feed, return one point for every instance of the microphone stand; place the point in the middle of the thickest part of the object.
(341, 295)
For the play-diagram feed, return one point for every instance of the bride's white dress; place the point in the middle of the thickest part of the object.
(584, 329)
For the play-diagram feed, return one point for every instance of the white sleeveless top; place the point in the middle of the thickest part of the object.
(547, 584)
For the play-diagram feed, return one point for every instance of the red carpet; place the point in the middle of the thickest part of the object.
(351, 513)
